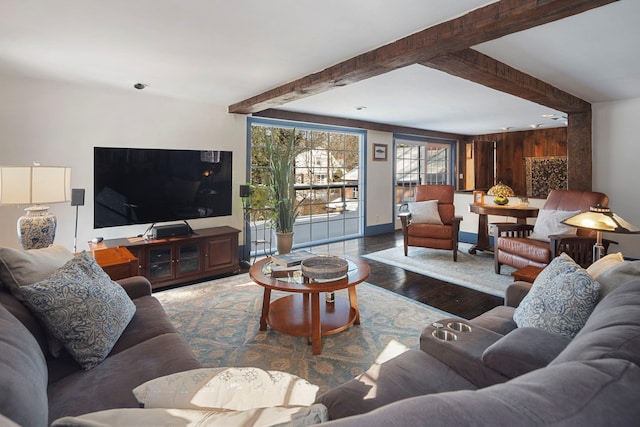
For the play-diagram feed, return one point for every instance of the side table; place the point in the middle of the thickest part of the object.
(117, 262)
(527, 274)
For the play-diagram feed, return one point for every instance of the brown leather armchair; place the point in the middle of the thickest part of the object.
(436, 236)
(514, 247)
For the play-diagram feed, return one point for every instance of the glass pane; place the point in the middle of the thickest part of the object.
(326, 176)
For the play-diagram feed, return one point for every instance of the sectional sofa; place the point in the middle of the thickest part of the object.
(38, 387)
(516, 364)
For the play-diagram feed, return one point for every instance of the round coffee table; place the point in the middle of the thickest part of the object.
(304, 313)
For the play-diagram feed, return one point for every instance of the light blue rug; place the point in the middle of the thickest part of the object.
(220, 321)
(471, 271)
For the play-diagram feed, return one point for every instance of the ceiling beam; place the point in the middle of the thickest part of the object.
(478, 26)
(474, 66)
(352, 123)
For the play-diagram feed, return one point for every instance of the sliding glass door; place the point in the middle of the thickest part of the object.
(420, 160)
(328, 180)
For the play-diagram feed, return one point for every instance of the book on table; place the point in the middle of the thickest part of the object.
(291, 259)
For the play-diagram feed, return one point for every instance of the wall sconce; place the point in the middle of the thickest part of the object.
(36, 186)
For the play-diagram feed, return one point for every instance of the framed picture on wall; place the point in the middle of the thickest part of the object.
(380, 152)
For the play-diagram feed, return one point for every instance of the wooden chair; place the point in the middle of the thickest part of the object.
(436, 236)
(514, 247)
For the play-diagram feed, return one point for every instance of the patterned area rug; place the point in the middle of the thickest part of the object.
(220, 321)
(471, 271)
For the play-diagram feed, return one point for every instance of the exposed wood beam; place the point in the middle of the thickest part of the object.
(351, 123)
(484, 24)
(479, 68)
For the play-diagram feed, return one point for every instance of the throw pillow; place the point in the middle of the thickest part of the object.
(19, 268)
(226, 388)
(425, 212)
(618, 275)
(560, 300)
(548, 223)
(82, 307)
(604, 264)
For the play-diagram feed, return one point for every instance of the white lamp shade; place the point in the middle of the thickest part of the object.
(28, 185)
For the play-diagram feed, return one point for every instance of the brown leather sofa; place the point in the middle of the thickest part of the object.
(514, 247)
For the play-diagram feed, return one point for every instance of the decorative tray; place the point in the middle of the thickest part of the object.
(324, 267)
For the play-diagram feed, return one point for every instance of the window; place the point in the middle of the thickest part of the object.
(327, 179)
(421, 161)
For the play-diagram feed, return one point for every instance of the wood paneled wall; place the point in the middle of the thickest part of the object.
(513, 147)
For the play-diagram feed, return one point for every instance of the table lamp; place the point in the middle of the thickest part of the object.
(600, 218)
(501, 193)
(37, 186)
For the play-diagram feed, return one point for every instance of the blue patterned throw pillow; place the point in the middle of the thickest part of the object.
(82, 307)
(561, 299)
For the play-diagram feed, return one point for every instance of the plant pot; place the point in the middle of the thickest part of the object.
(285, 242)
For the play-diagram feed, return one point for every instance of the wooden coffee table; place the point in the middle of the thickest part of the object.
(304, 313)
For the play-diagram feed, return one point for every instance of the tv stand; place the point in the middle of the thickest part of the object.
(182, 259)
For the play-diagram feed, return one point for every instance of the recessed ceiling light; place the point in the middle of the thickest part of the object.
(360, 107)
(140, 86)
(548, 116)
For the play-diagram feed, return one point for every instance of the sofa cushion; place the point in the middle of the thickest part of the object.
(19, 268)
(523, 350)
(23, 374)
(412, 373)
(594, 393)
(548, 223)
(100, 388)
(236, 389)
(561, 299)
(612, 331)
(618, 275)
(425, 212)
(82, 307)
(499, 319)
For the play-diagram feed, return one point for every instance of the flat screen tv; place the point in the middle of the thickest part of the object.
(146, 186)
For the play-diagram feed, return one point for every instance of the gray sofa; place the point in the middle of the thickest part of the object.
(498, 374)
(37, 388)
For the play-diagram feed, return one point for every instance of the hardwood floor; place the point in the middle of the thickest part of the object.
(458, 300)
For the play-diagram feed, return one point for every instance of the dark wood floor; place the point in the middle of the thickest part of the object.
(460, 301)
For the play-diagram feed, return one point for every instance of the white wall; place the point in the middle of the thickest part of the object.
(59, 124)
(616, 165)
(379, 181)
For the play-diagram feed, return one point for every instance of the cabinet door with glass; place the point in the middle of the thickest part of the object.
(188, 259)
(160, 263)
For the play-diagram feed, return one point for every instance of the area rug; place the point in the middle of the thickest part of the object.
(220, 321)
(471, 271)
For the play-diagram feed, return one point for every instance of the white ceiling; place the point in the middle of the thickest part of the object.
(222, 52)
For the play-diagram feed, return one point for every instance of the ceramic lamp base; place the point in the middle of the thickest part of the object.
(37, 228)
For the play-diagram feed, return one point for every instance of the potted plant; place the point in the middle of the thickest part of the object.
(281, 152)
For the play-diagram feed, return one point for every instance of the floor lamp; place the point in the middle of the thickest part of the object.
(38, 186)
(600, 218)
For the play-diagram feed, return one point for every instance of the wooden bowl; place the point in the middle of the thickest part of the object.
(324, 267)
